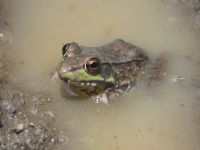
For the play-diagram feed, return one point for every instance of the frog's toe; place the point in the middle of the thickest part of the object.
(102, 98)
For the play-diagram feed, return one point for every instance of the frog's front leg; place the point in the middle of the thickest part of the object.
(102, 98)
(112, 93)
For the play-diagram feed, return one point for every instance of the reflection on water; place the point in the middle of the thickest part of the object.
(160, 117)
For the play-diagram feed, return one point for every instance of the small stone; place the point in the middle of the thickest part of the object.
(53, 140)
(34, 111)
(48, 99)
(50, 113)
(31, 124)
(8, 107)
(62, 139)
(19, 127)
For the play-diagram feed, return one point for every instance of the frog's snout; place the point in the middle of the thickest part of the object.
(62, 70)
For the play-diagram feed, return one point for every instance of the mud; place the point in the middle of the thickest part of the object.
(25, 120)
(26, 123)
(193, 6)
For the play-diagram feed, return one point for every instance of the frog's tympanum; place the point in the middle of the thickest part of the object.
(101, 72)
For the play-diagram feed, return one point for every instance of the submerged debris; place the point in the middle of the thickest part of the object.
(20, 129)
(194, 7)
(157, 71)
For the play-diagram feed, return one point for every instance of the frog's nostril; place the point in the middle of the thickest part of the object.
(61, 72)
(65, 69)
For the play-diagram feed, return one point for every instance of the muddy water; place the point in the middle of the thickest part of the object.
(159, 117)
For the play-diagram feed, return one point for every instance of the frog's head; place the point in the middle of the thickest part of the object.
(82, 68)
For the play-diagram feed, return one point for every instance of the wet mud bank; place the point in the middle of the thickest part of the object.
(193, 7)
(25, 120)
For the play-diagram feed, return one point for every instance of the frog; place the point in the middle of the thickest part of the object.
(102, 73)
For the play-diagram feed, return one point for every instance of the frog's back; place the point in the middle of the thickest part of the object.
(121, 51)
(127, 62)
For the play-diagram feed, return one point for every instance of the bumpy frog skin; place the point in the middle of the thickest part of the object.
(101, 72)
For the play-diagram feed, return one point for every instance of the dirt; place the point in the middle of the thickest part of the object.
(194, 7)
(25, 120)
(26, 123)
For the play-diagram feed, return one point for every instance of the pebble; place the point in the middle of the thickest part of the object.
(19, 127)
(50, 113)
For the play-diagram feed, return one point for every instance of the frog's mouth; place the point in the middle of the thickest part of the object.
(86, 83)
(80, 81)
(87, 88)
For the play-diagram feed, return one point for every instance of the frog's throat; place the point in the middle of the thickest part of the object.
(82, 75)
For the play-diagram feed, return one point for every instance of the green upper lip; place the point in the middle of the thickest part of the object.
(81, 75)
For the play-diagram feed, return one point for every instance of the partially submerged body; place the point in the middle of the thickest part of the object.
(102, 72)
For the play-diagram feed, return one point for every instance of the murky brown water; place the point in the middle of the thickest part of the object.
(159, 118)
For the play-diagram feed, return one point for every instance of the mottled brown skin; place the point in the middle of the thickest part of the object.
(127, 63)
(119, 60)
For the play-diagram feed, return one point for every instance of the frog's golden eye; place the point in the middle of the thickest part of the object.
(92, 66)
(65, 48)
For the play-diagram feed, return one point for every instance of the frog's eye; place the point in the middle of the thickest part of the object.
(65, 48)
(92, 66)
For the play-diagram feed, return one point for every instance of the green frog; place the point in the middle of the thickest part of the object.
(102, 72)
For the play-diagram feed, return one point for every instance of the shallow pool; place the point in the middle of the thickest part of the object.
(160, 117)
